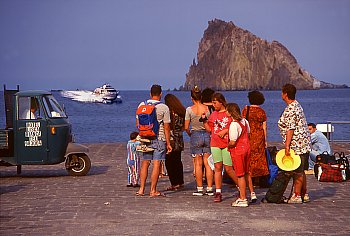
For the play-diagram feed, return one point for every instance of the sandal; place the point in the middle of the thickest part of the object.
(157, 194)
(139, 194)
(179, 186)
(171, 188)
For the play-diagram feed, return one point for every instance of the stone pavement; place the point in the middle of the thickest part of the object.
(44, 200)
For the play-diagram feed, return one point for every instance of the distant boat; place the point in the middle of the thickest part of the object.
(108, 94)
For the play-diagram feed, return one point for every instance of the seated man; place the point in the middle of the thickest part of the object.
(30, 113)
(319, 144)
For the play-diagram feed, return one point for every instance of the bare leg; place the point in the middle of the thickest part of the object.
(155, 176)
(250, 183)
(208, 170)
(194, 166)
(304, 187)
(242, 187)
(218, 175)
(230, 172)
(298, 182)
(199, 170)
(143, 176)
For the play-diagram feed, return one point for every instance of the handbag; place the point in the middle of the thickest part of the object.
(331, 173)
(343, 161)
(324, 158)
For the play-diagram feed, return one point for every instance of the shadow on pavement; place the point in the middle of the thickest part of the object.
(49, 173)
(326, 192)
(11, 188)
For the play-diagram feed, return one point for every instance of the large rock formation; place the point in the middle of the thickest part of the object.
(231, 58)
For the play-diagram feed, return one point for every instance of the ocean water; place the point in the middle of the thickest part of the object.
(99, 123)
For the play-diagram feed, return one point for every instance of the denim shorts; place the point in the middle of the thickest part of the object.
(159, 151)
(200, 142)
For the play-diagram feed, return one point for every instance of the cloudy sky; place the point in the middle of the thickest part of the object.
(70, 44)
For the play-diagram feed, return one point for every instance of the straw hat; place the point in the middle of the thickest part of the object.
(288, 163)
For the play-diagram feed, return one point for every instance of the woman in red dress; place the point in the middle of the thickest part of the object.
(258, 142)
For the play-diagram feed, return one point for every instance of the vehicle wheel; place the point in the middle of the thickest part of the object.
(78, 165)
(19, 169)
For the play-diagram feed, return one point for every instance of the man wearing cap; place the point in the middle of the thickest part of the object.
(294, 131)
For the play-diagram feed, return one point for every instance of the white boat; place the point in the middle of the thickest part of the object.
(107, 93)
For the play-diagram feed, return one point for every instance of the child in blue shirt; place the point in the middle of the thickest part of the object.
(133, 161)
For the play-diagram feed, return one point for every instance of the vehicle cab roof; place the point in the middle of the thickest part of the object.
(32, 93)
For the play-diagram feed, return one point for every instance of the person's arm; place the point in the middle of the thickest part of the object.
(222, 133)
(313, 139)
(265, 132)
(187, 121)
(207, 126)
(187, 127)
(289, 136)
(291, 126)
(231, 144)
(167, 136)
(137, 120)
(233, 135)
(206, 119)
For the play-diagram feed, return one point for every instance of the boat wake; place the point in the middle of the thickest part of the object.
(104, 94)
(82, 96)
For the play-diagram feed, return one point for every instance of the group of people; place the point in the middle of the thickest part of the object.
(219, 132)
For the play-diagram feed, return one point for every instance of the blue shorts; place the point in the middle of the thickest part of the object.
(200, 142)
(159, 151)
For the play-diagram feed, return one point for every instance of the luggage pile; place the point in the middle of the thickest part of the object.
(332, 168)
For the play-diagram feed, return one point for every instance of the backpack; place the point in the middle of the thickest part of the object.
(148, 124)
(277, 188)
(273, 169)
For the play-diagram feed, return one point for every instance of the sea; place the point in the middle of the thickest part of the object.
(94, 122)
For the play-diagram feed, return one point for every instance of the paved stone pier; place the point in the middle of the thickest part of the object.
(44, 200)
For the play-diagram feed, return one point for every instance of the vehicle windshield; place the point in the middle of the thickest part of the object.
(52, 107)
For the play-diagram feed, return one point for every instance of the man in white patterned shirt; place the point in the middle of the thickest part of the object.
(294, 131)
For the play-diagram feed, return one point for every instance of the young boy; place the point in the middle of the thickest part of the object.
(133, 161)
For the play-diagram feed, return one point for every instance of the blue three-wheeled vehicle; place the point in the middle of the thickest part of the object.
(38, 133)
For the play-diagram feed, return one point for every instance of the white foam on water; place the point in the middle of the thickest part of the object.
(81, 96)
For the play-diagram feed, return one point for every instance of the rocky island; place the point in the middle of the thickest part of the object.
(231, 58)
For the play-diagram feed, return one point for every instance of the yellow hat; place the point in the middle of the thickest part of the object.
(288, 163)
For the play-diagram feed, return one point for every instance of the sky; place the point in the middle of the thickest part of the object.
(132, 44)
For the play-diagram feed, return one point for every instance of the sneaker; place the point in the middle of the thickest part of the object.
(309, 172)
(217, 197)
(295, 199)
(198, 193)
(253, 197)
(240, 203)
(306, 198)
(209, 193)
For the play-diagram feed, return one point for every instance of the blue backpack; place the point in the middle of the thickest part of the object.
(273, 169)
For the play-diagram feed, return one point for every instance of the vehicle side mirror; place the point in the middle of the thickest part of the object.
(64, 109)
